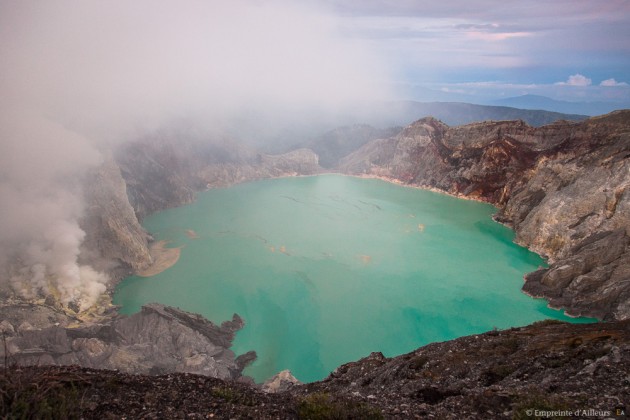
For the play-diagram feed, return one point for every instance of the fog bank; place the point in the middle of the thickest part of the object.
(78, 78)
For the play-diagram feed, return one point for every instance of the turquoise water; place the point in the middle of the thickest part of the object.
(327, 269)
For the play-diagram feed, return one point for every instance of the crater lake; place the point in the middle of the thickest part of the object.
(326, 269)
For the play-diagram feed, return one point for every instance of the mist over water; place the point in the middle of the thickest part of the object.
(79, 78)
(326, 269)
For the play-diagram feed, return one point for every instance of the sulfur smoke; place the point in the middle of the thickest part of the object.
(41, 206)
(79, 78)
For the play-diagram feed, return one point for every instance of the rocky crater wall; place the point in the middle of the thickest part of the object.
(564, 188)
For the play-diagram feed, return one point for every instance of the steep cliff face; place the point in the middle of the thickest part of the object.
(165, 172)
(114, 239)
(158, 175)
(565, 188)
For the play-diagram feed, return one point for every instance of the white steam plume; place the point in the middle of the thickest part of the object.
(40, 166)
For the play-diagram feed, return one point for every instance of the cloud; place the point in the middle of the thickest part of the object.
(612, 82)
(497, 36)
(576, 80)
(492, 32)
(520, 42)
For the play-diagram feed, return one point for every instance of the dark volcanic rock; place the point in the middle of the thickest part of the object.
(548, 366)
(560, 186)
(596, 272)
(159, 339)
(500, 374)
(70, 392)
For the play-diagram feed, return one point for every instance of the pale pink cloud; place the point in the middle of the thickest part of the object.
(577, 80)
(612, 82)
(496, 36)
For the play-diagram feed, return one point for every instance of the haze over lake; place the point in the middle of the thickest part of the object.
(326, 269)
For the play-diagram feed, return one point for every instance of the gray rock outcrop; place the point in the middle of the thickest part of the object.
(158, 339)
(280, 382)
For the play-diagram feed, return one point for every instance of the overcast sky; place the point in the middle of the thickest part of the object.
(567, 49)
(95, 59)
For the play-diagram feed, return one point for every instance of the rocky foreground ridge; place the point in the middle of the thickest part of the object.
(563, 187)
(539, 371)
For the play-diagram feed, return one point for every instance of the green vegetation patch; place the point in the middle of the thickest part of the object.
(52, 398)
(322, 406)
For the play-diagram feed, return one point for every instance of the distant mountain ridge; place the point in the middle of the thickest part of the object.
(338, 142)
(284, 131)
(538, 102)
(461, 113)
